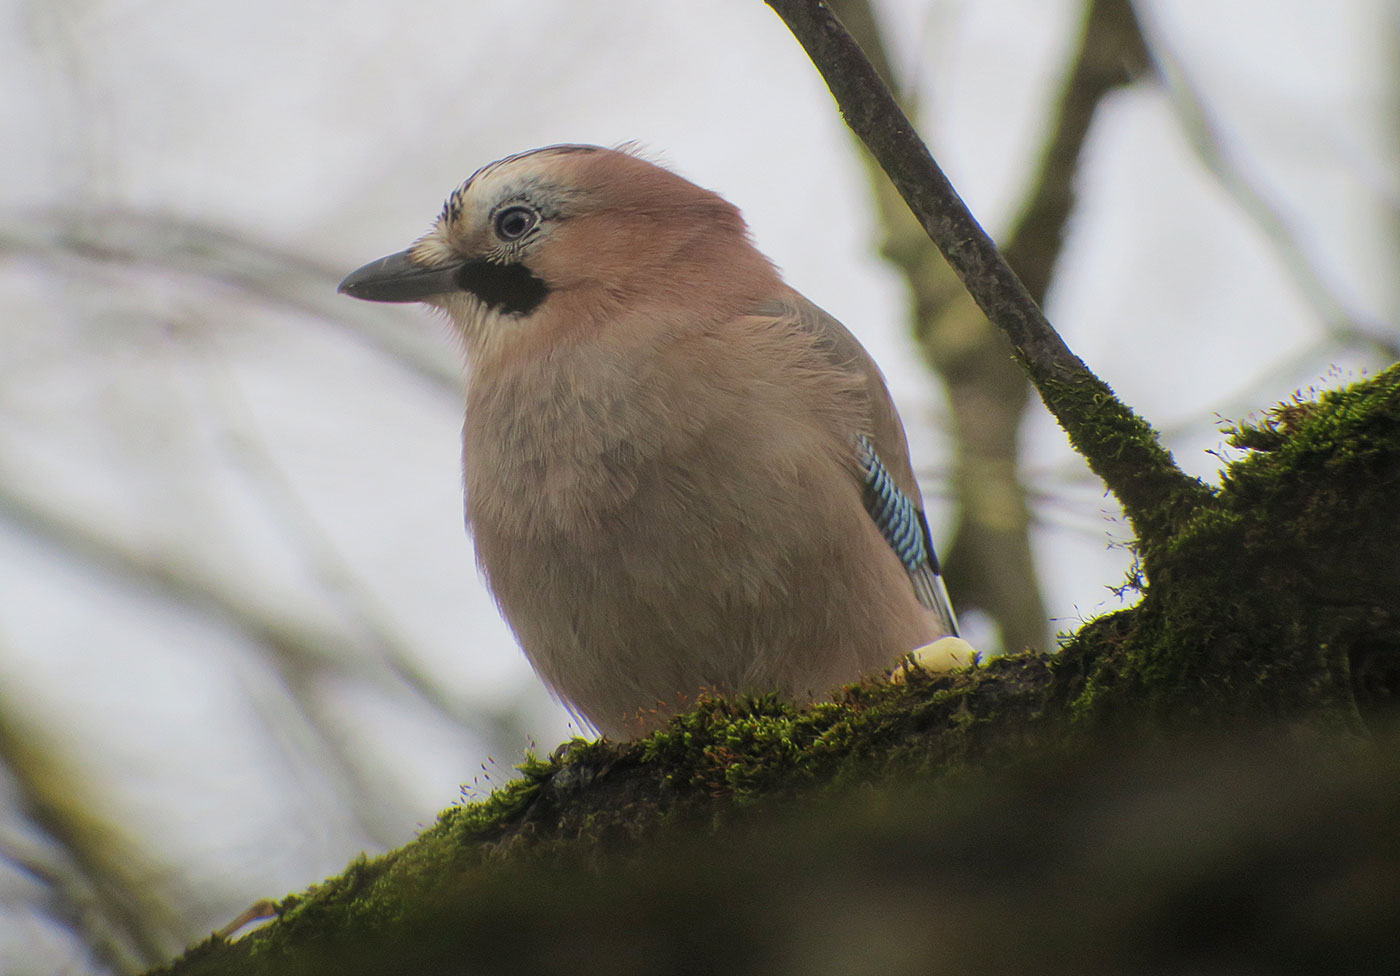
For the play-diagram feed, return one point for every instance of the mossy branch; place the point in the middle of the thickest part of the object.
(1119, 446)
(1275, 609)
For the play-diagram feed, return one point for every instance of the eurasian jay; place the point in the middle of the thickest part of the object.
(681, 475)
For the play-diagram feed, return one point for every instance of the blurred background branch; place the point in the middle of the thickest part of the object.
(67, 241)
(96, 874)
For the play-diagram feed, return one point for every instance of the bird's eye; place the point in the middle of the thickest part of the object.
(514, 223)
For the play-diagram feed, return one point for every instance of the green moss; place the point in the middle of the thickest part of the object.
(1265, 603)
(1123, 449)
(764, 749)
(1255, 853)
(726, 762)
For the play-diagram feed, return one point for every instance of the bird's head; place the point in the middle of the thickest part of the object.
(570, 236)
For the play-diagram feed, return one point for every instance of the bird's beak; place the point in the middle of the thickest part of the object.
(398, 278)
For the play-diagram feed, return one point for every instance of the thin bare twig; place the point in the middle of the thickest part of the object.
(989, 562)
(1121, 447)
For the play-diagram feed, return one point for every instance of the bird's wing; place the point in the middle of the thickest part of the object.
(891, 492)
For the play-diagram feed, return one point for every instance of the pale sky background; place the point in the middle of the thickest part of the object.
(221, 418)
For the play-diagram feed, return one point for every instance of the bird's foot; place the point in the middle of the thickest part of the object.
(944, 654)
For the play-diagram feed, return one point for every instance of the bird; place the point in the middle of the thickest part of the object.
(682, 477)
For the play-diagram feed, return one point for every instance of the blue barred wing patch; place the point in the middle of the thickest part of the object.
(901, 524)
(904, 527)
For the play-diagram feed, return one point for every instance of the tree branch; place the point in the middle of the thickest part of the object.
(1121, 447)
(989, 562)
